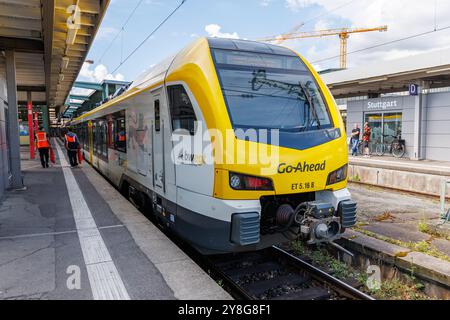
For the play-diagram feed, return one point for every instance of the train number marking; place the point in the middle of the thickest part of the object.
(303, 186)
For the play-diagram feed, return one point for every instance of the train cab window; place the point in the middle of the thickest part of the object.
(270, 91)
(181, 109)
(157, 116)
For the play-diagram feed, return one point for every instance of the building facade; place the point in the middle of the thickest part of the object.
(423, 121)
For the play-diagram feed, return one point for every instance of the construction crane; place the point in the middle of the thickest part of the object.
(280, 39)
(343, 33)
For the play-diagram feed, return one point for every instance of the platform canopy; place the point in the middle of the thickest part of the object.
(379, 77)
(50, 44)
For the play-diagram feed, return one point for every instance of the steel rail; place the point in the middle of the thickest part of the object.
(334, 282)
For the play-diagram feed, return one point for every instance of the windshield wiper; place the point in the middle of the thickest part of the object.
(310, 103)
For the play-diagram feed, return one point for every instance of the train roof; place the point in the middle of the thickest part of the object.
(247, 45)
(156, 74)
(214, 43)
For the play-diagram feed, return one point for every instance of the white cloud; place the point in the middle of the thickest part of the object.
(265, 3)
(322, 25)
(98, 74)
(403, 18)
(296, 5)
(213, 30)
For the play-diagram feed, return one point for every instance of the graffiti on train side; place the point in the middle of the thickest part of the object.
(138, 141)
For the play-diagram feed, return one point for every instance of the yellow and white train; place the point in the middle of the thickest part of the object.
(146, 142)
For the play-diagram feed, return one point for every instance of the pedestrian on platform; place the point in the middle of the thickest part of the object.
(72, 145)
(43, 146)
(366, 139)
(356, 134)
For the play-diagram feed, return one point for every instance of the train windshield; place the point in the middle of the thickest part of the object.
(270, 91)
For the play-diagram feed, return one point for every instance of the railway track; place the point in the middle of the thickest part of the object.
(275, 274)
(270, 274)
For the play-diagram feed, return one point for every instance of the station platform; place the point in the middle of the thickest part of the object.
(72, 236)
(423, 177)
(441, 168)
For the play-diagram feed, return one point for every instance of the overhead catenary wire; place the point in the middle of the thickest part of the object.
(122, 29)
(149, 35)
(329, 12)
(385, 43)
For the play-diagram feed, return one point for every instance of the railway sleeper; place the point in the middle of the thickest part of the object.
(238, 273)
(314, 293)
(239, 262)
(260, 287)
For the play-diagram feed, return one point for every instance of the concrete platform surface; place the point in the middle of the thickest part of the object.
(403, 164)
(71, 236)
(398, 216)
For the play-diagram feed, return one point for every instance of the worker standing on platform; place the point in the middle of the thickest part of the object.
(43, 146)
(72, 145)
(356, 133)
(366, 140)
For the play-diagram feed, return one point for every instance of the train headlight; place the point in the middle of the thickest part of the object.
(337, 176)
(243, 182)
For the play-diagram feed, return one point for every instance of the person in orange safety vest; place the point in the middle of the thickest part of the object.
(72, 145)
(43, 146)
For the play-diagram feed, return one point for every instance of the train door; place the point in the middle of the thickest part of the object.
(142, 138)
(158, 145)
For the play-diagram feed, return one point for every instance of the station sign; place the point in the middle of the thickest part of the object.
(413, 89)
(382, 105)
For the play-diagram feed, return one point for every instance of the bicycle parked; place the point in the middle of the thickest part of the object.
(360, 148)
(397, 147)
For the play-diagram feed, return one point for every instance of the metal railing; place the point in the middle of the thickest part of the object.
(445, 215)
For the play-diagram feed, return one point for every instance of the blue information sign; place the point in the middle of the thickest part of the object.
(413, 89)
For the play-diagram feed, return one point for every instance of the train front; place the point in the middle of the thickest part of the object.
(288, 150)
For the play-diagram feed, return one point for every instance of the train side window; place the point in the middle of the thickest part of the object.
(120, 136)
(86, 136)
(98, 137)
(104, 140)
(181, 109)
(157, 116)
(111, 132)
(94, 137)
(98, 128)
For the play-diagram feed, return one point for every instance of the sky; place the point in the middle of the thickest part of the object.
(255, 19)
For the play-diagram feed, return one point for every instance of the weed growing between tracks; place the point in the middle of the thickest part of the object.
(406, 288)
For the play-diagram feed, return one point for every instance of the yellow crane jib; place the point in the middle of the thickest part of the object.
(343, 33)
